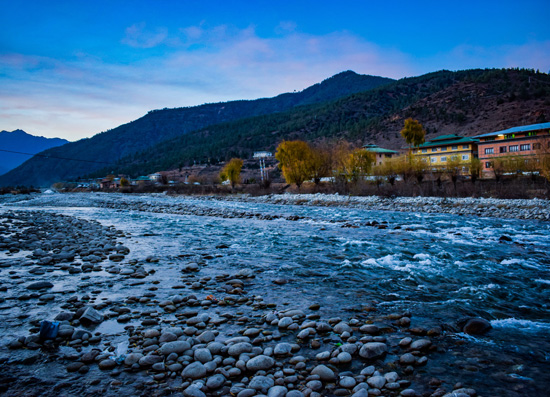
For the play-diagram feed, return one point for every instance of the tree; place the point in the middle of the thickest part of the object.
(321, 162)
(413, 133)
(475, 169)
(295, 158)
(232, 171)
(453, 167)
(359, 163)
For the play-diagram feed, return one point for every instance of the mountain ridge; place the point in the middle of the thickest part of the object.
(23, 142)
(162, 124)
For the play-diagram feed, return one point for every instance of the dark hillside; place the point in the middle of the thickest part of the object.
(159, 125)
(466, 102)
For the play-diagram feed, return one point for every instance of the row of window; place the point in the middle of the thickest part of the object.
(513, 148)
(443, 159)
(444, 148)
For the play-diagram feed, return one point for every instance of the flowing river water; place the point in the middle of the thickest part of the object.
(440, 268)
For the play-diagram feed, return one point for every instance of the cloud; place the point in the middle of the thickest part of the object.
(137, 36)
(199, 64)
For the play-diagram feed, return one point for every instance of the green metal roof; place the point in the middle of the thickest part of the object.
(377, 149)
(448, 140)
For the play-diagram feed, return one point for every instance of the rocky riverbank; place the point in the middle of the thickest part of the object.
(484, 207)
(120, 331)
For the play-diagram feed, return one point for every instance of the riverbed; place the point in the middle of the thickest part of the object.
(406, 274)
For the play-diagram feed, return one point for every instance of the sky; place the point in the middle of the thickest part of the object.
(72, 69)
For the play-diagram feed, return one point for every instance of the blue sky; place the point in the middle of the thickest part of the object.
(75, 68)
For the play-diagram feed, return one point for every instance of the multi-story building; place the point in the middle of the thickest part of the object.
(442, 149)
(524, 141)
(380, 153)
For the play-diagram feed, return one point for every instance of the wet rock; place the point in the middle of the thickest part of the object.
(421, 344)
(324, 372)
(261, 382)
(132, 359)
(477, 326)
(407, 359)
(107, 364)
(282, 349)
(342, 327)
(373, 350)
(285, 322)
(370, 329)
(178, 347)
(149, 360)
(203, 355)
(64, 316)
(194, 370)
(91, 315)
(215, 382)
(376, 381)
(40, 285)
(277, 391)
(260, 362)
(348, 382)
(239, 348)
(193, 391)
(74, 367)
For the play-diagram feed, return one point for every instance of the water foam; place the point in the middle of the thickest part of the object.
(520, 324)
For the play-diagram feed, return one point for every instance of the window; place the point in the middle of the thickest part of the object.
(509, 136)
(444, 149)
(434, 159)
(434, 149)
(424, 150)
(513, 148)
(489, 139)
(489, 150)
(455, 147)
(453, 158)
(488, 164)
(465, 146)
(533, 133)
(525, 147)
(443, 159)
(465, 157)
(503, 149)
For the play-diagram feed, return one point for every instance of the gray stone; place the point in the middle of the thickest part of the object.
(376, 381)
(370, 329)
(91, 315)
(373, 350)
(195, 370)
(277, 391)
(361, 393)
(282, 349)
(259, 363)
(407, 359)
(324, 372)
(344, 357)
(178, 347)
(421, 344)
(261, 383)
(193, 391)
(285, 322)
(149, 360)
(315, 385)
(203, 355)
(206, 337)
(239, 348)
(412, 393)
(167, 337)
(40, 285)
(107, 364)
(132, 358)
(215, 382)
(348, 382)
(294, 393)
(342, 327)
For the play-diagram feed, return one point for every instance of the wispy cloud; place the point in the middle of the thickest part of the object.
(138, 36)
(85, 95)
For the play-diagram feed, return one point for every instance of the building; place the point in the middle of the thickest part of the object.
(442, 149)
(524, 141)
(262, 155)
(380, 153)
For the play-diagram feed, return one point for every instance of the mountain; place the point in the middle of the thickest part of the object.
(106, 148)
(467, 102)
(20, 141)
